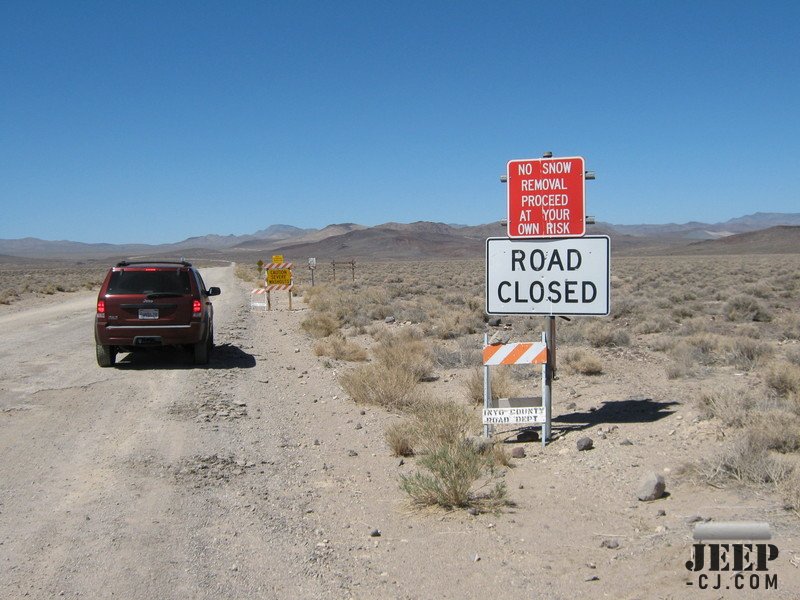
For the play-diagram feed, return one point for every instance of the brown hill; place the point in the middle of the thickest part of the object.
(783, 239)
(386, 244)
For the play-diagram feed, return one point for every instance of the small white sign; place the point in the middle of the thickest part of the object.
(514, 416)
(312, 263)
(563, 276)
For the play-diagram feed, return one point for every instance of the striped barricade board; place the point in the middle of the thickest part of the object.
(258, 298)
(519, 353)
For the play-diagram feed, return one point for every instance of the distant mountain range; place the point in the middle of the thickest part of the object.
(424, 239)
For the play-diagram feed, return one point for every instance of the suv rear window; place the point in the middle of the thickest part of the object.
(149, 282)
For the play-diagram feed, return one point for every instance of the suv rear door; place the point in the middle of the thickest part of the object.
(142, 296)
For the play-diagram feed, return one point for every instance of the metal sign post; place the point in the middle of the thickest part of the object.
(545, 266)
(312, 265)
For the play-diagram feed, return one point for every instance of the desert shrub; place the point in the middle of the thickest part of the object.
(498, 456)
(625, 307)
(689, 354)
(600, 335)
(455, 323)
(437, 423)
(790, 490)
(247, 273)
(776, 429)
(746, 461)
(452, 471)
(731, 406)
(320, 325)
(573, 332)
(340, 348)
(793, 355)
(582, 362)
(678, 370)
(413, 314)
(467, 353)
(745, 353)
(400, 438)
(502, 384)
(745, 308)
(683, 311)
(784, 379)
(699, 349)
(389, 387)
(662, 343)
(654, 325)
(405, 350)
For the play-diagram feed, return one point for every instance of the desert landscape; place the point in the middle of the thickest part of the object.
(335, 450)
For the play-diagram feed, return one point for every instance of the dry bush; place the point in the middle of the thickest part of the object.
(696, 349)
(784, 379)
(679, 370)
(467, 353)
(745, 461)
(626, 307)
(452, 472)
(662, 343)
(340, 348)
(405, 350)
(745, 308)
(455, 323)
(400, 438)
(776, 429)
(437, 423)
(499, 456)
(746, 353)
(600, 335)
(581, 362)
(654, 325)
(729, 405)
(793, 355)
(248, 273)
(790, 490)
(502, 384)
(392, 388)
(320, 325)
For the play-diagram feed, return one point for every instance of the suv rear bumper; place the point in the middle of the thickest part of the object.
(149, 335)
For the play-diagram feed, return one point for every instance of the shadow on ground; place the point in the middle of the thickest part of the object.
(224, 356)
(637, 410)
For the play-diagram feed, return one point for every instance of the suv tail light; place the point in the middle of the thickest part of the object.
(197, 307)
(101, 307)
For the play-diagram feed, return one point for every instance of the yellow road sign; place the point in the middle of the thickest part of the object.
(277, 258)
(279, 276)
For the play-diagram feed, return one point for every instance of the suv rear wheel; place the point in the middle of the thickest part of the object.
(106, 355)
(202, 349)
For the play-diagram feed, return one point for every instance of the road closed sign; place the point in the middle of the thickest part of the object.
(565, 276)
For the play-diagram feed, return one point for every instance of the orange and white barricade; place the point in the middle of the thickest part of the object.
(516, 411)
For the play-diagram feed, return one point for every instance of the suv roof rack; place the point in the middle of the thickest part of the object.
(125, 263)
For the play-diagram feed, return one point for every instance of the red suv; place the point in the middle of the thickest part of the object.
(146, 304)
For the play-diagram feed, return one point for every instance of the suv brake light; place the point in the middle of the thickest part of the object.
(101, 307)
(197, 307)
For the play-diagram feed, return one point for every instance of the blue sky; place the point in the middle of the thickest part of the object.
(153, 122)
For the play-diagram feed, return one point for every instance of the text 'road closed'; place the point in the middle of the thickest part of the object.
(548, 277)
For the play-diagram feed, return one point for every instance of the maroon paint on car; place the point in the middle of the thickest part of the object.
(147, 304)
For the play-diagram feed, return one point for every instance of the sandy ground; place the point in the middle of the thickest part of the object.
(256, 477)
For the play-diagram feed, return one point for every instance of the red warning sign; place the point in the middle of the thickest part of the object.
(546, 198)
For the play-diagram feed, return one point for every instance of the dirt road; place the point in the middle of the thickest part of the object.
(255, 478)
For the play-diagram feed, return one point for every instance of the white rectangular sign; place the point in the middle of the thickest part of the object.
(563, 276)
(514, 416)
